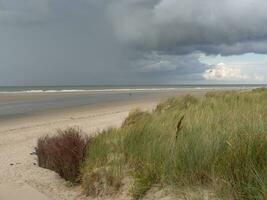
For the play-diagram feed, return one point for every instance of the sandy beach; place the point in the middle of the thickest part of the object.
(71, 72)
(20, 175)
(19, 168)
(19, 172)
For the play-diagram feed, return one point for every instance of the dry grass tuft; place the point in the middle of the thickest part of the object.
(63, 153)
(100, 182)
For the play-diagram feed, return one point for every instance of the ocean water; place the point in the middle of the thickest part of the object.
(107, 88)
(25, 100)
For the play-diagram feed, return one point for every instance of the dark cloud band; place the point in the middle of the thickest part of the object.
(211, 26)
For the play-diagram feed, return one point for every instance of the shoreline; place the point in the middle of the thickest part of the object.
(19, 137)
(14, 106)
(19, 171)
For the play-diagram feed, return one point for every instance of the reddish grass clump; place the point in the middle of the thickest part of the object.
(63, 153)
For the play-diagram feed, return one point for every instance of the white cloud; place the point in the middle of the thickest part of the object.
(222, 71)
(259, 77)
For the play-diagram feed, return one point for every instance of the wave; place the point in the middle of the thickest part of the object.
(89, 90)
(123, 89)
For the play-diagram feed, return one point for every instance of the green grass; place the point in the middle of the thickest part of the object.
(221, 144)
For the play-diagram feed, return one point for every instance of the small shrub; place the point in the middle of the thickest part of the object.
(63, 153)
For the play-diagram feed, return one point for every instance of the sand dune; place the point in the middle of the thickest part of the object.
(20, 175)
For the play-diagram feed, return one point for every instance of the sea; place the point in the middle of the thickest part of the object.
(16, 101)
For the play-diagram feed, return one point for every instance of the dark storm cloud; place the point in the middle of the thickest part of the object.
(123, 41)
(70, 42)
(13, 12)
(211, 26)
(170, 68)
(169, 64)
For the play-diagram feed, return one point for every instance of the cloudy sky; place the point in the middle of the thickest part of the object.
(56, 42)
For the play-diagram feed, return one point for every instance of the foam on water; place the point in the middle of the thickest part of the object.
(90, 90)
(76, 89)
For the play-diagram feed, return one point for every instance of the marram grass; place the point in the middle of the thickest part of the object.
(217, 141)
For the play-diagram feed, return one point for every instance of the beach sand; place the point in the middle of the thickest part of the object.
(19, 172)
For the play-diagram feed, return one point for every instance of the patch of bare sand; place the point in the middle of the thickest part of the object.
(20, 192)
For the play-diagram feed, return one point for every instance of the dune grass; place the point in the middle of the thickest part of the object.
(218, 141)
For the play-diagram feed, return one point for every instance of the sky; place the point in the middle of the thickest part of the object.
(123, 42)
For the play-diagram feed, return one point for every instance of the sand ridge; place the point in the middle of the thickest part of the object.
(20, 175)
